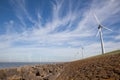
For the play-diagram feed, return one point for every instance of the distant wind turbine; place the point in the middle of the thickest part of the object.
(82, 52)
(100, 27)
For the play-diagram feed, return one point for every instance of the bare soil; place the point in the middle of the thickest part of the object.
(102, 67)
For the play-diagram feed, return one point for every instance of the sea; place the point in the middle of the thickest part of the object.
(18, 64)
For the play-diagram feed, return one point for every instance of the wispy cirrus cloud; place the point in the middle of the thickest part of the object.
(21, 12)
(58, 22)
(70, 26)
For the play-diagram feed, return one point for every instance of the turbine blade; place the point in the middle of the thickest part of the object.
(97, 33)
(96, 18)
(106, 28)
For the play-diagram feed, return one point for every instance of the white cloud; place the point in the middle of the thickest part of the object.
(42, 36)
(117, 37)
(21, 11)
(28, 54)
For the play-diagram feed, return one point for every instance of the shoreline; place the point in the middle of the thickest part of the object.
(20, 64)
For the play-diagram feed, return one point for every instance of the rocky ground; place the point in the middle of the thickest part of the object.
(36, 72)
(103, 67)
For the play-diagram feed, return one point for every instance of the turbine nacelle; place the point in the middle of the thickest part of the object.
(99, 26)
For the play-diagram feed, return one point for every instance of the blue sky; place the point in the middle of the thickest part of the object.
(56, 30)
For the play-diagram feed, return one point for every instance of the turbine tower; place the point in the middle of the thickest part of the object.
(100, 27)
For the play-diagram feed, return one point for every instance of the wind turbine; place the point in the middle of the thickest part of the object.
(76, 55)
(100, 27)
(82, 52)
(82, 48)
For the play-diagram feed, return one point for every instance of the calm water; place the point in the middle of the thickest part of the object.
(17, 64)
